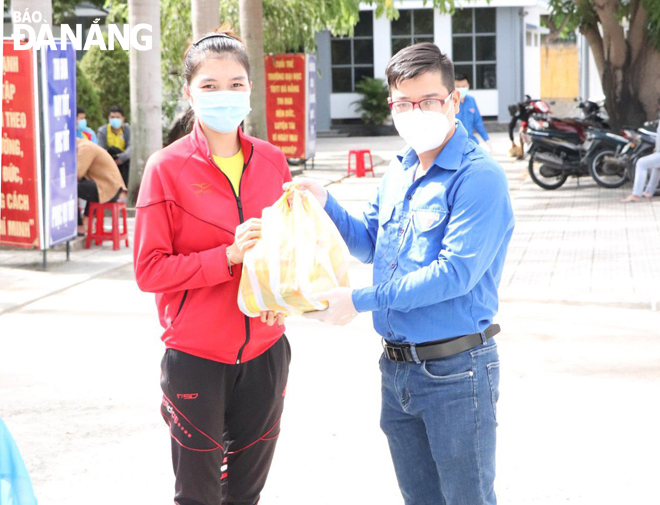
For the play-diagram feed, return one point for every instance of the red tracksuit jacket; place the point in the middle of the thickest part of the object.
(186, 217)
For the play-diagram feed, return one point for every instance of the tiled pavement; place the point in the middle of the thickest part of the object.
(577, 244)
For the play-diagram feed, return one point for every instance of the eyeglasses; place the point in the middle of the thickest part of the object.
(427, 105)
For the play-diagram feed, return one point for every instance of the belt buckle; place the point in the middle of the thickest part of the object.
(394, 353)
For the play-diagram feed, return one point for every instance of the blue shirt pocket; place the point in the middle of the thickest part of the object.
(428, 229)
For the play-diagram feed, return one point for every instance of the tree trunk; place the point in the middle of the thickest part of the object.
(146, 93)
(44, 7)
(251, 19)
(627, 64)
(205, 15)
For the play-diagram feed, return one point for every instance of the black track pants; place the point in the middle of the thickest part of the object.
(224, 420)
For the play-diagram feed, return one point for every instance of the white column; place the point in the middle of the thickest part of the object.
(382, 45)
(442, 32)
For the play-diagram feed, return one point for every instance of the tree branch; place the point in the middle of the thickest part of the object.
(637, 30)
(555, 32)
(614, 40)
(592, 34)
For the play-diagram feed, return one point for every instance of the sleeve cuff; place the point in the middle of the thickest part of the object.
(364, 299)
(215, 266)
(331, 206)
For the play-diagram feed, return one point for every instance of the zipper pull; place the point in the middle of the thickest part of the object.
(240, 204)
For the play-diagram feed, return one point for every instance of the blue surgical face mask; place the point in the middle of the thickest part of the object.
(82, 123)
(116, 122)
(463, 92)
(222, 111)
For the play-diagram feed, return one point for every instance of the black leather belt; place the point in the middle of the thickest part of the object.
(416, 353)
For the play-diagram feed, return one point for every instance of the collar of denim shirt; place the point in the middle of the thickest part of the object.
(451, 156)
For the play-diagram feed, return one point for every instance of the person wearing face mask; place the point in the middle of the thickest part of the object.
(437, 234)
(84, 131)
(468, 112)
(115, 137)
(223, 374)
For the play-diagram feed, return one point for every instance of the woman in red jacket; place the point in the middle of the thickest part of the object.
(223, 374)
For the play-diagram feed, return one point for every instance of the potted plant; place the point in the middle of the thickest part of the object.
(373, 105)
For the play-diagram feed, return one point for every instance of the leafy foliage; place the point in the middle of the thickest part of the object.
(88, 99)
(373, 103)
(108, 72)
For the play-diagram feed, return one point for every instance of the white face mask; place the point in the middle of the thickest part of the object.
(422, 131)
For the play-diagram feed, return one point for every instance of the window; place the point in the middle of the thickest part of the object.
(353, 58)
(474, 46)
(413, 26)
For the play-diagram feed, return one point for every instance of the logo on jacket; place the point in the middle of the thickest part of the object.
(202, 188)
(187, 396)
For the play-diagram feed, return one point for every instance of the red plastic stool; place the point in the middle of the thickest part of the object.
(359, 155)
(99, 234)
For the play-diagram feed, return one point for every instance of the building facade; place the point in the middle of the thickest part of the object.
(497, 44)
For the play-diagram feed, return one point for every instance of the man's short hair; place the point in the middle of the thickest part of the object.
(116, 108)
(462, 77)
(80, 110)
(417, 59)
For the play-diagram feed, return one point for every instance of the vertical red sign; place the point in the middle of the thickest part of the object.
(19, 200)
(285, 103)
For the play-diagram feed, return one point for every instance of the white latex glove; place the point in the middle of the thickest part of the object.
(340, 311)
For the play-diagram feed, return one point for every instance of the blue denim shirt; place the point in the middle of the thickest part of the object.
(470, 117)
(437, 244)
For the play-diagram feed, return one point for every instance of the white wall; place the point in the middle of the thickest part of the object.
(442, 32)
(532, 54)
(488, 101)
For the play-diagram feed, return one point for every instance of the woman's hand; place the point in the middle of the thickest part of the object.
(246, 236)
(314, 187)
(269, 317)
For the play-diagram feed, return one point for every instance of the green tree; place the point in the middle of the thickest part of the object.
(109, 71)
(624, 36)
(88, 98)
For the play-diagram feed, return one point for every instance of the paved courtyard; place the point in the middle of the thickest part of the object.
(80, 355)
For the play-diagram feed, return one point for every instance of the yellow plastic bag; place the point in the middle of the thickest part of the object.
(300, 253)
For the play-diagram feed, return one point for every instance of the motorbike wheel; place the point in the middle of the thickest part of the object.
(554, 181)
(604, 175)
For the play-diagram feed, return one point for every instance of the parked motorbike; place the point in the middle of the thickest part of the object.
(568, 147)
(525, 111)
(616, 169)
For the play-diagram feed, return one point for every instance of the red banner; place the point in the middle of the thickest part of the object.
(19, 201)
(285, 103)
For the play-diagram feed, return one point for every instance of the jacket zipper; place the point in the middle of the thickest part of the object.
(183, 300)
(239, 204)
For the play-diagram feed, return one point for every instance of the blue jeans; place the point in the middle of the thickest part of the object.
(439, 417)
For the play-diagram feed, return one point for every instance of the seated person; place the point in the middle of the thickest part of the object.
(117, 134)
(647, 169)
(99, 179)
(84, 131)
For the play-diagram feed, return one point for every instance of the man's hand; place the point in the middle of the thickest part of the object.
(246, 236)
(314, 187)
(340, 311)
(269, 317)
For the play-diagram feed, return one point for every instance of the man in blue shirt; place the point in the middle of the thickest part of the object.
(437, 233)
(468, 113)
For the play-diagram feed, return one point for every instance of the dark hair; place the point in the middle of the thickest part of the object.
(223, 42)
(417, 59)
(80, 110)
(116, 108)
(461, 77)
